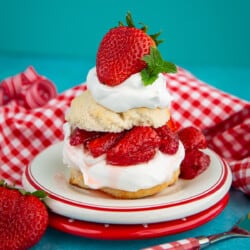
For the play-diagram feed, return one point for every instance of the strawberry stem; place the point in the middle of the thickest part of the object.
(155, 38)
(144, 28)
(129, 20)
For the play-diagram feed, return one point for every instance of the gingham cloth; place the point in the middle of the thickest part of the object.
(190, 243)
(223, 118)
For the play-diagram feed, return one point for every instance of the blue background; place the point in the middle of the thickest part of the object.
(210, 32)
(208, 37)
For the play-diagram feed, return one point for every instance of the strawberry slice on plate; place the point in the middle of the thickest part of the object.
(169, 140)
(82, 136)
(138, 145)
(194, 163)
(103, 143)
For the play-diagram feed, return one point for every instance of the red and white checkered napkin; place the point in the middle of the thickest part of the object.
(224, 119)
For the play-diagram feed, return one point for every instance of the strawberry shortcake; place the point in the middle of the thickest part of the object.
(119, 137)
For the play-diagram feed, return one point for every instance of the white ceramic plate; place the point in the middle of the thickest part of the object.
(185, 198)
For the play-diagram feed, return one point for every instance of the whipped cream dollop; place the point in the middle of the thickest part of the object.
(98, 174)
(132, 93)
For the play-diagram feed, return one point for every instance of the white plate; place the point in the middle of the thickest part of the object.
(185, 198)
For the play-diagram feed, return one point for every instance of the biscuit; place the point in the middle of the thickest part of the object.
(85, 113)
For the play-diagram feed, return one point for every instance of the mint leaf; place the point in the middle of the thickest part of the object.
(147, 78)
(155, 65)
(171, 67)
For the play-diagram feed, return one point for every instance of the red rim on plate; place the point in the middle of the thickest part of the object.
(72, 202)
(83, 204)
(140, 231)
(186, 199)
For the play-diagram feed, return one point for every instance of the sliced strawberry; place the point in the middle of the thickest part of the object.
(194, 163)
(169, 140)
(81, 136)
(191, 138)
(137, 146)
(172, 124)
(103, 143)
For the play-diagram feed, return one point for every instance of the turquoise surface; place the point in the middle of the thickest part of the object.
(238, 206)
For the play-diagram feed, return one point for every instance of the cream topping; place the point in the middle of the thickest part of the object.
(98, 174)
(129, 94)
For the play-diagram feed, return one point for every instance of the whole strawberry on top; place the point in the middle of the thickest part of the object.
(23, 218)
(126, 50)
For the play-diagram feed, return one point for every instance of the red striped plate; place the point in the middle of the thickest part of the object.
(184, 199)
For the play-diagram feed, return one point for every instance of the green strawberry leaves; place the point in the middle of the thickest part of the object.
(38, 193)
(144, 28)
(155, 38)
(155, 65)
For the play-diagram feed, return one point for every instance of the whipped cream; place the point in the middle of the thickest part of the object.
(98, 174)
(129, 94)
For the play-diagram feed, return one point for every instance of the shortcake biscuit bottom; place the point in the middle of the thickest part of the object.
(77, 179)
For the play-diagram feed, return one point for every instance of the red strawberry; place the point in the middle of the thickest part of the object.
(169, 140)
(81, 136)
(194, 163)
(122, 53)
(23, 218)
(103, 143)
(138, 145)
(119, 59)
(191, 138)
(172, 125)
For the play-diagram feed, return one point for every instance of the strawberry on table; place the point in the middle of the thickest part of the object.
(23, 218)
(126, 50)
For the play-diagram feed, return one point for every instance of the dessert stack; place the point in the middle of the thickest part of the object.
(119, 134)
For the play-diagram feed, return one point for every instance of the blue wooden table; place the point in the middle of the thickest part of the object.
(66, 73)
